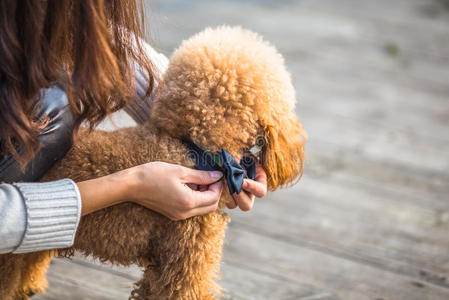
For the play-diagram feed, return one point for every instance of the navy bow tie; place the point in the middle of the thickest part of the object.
(223, 161)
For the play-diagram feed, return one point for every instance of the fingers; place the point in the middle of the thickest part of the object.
(256, 188)
(195, 200)
(206, 195)
(261, 176)
(196, 211)
(250, 190)
(231, 203)
(244, 200)
(201, 177)
(197, 187)
(194, 187)
(199, 211)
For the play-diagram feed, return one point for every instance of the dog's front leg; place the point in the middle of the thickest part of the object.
(185, 260)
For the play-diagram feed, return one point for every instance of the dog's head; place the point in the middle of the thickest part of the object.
(227, 88)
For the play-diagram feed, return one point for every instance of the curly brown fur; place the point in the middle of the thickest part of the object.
(223, 89)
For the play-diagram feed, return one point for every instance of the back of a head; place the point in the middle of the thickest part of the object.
(84, 46)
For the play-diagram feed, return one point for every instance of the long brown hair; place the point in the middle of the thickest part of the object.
(85, 45)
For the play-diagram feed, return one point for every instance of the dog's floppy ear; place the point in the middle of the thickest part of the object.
(283, 153)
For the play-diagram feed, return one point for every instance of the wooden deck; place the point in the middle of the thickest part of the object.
(370, 218)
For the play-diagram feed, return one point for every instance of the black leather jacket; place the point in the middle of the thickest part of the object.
(55, 138)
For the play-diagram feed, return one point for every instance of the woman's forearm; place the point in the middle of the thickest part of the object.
(104, 191)
(159, 186)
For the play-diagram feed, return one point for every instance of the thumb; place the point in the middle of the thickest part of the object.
(202, 177)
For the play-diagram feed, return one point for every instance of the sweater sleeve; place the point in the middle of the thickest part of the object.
(38, 216)
(139, 107)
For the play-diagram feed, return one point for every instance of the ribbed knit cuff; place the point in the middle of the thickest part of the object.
(53, 213)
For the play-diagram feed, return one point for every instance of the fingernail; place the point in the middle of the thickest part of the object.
(216, 174)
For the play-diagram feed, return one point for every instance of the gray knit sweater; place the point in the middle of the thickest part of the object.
(40, 216)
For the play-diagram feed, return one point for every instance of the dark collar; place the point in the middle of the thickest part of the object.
(223, 161)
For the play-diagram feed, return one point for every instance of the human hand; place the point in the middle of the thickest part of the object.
(171, 189)
(250, 190)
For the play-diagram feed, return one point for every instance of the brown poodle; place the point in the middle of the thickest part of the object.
(224, 89)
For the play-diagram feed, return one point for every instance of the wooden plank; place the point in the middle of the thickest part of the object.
(403, 21)
(243, 282)
(413, 17)
(328, 162)
(73, 281)
(343, 137)
(360, 223)
(343, 277)
(87, 279)
(337, 22)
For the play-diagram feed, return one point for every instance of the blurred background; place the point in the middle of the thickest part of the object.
(370, 217)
